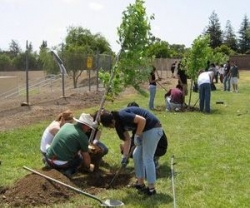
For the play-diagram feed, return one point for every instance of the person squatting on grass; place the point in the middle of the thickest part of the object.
(97, 149)
(204, 83)
(51, 130)
(148, 132)
(69, 148)
(175, 99)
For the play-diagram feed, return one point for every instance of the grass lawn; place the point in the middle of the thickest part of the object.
(210, 153)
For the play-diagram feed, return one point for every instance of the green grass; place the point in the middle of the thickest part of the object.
(210, 152)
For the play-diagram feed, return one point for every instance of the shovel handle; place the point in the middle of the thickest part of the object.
(63, 184)
(120, 169)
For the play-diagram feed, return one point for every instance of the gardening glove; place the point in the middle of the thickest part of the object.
(137, 140)
(124, 161)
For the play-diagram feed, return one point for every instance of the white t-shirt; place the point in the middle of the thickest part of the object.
(46, 140)
(205, 77)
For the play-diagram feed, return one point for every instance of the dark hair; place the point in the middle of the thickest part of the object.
(179, 87)
(106, 118)
(132, 104)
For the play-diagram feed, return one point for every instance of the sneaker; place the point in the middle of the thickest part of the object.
(137, 186)
(147, 191)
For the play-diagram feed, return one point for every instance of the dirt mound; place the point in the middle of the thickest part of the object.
(35, 190)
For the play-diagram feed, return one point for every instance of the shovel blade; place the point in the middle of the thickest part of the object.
(112, 203)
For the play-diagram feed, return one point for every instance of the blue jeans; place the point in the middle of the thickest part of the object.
(172, 106)
(226, 83)
(152, 92)
(205, 95)
(103, 147)
(143, 154)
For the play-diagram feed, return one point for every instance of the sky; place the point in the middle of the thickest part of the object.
(176, 21)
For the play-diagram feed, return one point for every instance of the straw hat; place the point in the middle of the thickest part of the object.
(86, 119)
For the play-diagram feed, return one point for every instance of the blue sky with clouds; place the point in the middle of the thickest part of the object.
(176, 21)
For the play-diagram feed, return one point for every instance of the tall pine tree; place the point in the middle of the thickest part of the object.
(214, 30)
(229, 38)
(244, 36)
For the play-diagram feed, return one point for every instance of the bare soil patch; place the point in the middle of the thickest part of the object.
(34, 190)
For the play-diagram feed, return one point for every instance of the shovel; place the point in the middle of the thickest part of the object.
(120, 169)
(106, 203)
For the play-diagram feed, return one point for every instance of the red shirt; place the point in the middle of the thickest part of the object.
(176, 95)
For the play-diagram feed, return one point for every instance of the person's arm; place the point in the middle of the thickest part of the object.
(97, 135)
(211, 76)
(87, 161)
(168, 94)
(126, 144)
(141, 122)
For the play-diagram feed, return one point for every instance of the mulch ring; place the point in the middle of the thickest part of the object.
(35, 190)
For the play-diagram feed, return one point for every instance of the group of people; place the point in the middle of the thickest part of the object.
(228, 74)
(175, 97)
(65, 143)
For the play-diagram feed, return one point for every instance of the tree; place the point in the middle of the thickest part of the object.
(14, 49)
(244, 36)
(159, 49)
(230, 39)
(80, 43)
(135, 38)
(197, 58)
(5, 62)
(177, 50)
(46, 59)
(214, 30)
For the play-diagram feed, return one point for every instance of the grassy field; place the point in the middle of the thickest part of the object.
(210, 153)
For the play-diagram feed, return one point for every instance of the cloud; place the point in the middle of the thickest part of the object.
(95, 6)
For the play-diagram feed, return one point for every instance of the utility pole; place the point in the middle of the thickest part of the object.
(27, 76)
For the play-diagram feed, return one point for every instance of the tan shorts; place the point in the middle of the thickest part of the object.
(234, 80)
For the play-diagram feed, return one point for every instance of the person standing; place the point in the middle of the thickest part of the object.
(234, 72)
(148, 132)
(205, 79)
(182, 80)
(221, 73)
(226, 79)
(69, 148)
(152, 88)
(173, 65)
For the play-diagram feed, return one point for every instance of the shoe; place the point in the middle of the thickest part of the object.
(147, 191)
(137, 186)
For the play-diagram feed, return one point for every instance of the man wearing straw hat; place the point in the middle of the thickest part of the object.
(69, 148)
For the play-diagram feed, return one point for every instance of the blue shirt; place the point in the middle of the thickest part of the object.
(127, 116)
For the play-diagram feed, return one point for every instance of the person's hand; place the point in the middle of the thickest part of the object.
(124, 161)
(137, 140)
